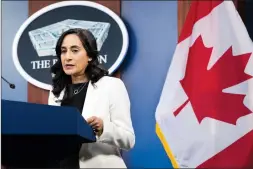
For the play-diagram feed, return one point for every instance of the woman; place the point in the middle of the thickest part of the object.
(103, 101)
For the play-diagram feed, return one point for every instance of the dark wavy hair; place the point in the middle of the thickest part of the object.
(93, 71)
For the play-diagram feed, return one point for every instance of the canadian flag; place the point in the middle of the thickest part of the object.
(205, 112)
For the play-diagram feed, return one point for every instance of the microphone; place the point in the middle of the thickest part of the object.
(12, 86)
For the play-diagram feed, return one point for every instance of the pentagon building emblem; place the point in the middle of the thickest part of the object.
(34, 44)
(44, 39)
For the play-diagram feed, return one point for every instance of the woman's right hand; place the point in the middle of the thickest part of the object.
(97, 124)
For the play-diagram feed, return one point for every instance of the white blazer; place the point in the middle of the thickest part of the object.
(109, 100)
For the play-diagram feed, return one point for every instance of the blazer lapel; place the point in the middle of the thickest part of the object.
(56, 100)
(89, 101)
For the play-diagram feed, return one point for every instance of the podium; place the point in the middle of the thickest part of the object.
(39, 136)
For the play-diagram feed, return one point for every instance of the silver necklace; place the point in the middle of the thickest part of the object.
(76, 91)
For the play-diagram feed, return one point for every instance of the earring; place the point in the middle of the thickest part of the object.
(89, 59)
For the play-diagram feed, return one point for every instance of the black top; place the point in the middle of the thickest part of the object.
(77, 100)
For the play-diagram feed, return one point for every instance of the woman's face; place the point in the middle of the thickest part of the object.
(74, 57)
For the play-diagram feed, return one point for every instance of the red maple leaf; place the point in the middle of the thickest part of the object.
(204, 87)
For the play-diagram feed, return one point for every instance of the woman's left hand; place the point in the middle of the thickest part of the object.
(97, 124)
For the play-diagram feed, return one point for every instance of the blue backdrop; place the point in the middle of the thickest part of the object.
(14, 13)
(152, 27)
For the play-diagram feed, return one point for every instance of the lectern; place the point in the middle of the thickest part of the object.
(39, 136)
